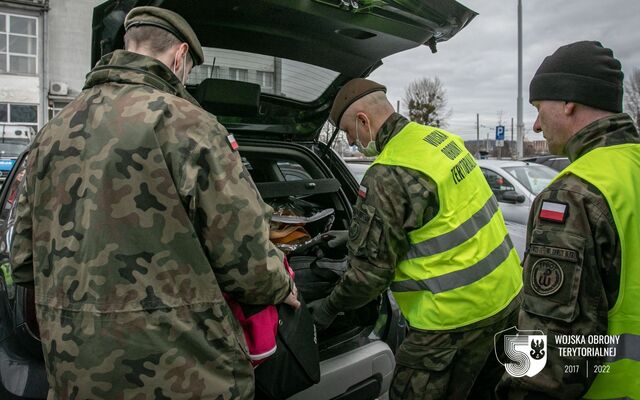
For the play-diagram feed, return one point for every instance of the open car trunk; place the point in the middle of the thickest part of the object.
(294, 180)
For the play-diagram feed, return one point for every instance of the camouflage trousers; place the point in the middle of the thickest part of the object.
(449, 365)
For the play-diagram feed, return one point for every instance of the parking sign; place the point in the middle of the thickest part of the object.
(500, 132)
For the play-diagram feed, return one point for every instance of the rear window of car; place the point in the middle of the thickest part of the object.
(275, 75)
(534, 177)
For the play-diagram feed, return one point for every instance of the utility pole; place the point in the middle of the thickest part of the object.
(520, 146)
(478, 135)
(511, 143)
(398, 107)
(487, 143)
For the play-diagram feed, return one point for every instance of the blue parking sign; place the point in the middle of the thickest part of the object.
(500, 132)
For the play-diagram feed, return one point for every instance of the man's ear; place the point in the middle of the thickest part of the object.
(569, 107)
(362, 118)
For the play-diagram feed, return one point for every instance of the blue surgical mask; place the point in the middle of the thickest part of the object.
(371, 150)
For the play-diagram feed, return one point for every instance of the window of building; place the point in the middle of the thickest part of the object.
(19, 114)
(55, 107)
(239, 74)
(265, 79)
(18, 44)
(202, 72)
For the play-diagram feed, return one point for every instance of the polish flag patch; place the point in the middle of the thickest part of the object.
(232, 142)
(554, 212)
(362, 192)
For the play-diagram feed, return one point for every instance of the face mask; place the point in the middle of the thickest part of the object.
(371, 150)
(184, 70)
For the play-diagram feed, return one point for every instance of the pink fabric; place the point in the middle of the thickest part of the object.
(260, 329)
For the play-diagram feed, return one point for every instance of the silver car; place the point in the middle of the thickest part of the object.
(515, 185)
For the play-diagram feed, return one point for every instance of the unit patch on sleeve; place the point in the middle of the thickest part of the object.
(232, 142)
(554, 212)
(546, 277)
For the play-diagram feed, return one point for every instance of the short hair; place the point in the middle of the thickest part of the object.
(157, 40)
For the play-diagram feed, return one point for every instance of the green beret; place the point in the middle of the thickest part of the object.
(170, 22)
(351, 92)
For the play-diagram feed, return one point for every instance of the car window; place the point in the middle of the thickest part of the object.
(498, 184)
(292, 171)
(534, 177)
(277, 76)
(13, 149)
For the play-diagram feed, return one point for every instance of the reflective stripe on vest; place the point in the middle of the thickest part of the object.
(461, 234)
(614, 170)
(462, 254)
(627, 348)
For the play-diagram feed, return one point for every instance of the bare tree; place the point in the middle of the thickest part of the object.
(632, 96)
(426, 100)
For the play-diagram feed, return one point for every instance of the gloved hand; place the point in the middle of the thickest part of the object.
(336, 238)
(322, 316)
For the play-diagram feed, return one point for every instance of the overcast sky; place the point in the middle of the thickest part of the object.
(479, 66)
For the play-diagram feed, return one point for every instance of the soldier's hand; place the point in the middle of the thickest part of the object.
(292, 298)
(322, 317)
(336, 238)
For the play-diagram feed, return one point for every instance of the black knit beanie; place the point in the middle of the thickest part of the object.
(582, 72)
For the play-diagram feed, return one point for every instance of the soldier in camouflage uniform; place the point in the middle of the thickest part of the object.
(578, 94)
(394, 200)
(137, 213)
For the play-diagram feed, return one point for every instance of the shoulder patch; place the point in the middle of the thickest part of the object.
(546, 277)
(232, 142)
(362, 192)
(553, 211)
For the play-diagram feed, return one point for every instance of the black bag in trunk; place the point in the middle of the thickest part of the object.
(296, 364)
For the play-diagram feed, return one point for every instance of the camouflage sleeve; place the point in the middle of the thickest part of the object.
(232, 221)
(397, 200)
(571, 280)
(21, 244)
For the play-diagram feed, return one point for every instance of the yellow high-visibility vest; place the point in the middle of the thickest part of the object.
(461, 267)
(615, 171)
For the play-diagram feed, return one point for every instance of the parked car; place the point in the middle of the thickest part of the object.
(518, 235)
(272, 71)
(358, 169)
(515, 185)
(557, 163)
(13, 141)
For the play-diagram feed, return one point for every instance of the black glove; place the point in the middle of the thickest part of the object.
(322, 316)
(335, 238)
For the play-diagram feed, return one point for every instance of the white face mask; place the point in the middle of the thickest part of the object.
(184, 70)
(371, 150)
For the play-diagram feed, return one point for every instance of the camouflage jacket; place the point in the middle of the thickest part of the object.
(585, 249)
(136, 215)
(398, 200)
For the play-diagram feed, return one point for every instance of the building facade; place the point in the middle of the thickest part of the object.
(44, 56)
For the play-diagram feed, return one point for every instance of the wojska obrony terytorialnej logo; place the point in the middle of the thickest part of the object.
(523, 353)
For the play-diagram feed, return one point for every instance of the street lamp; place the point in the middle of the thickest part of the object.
(520, 134)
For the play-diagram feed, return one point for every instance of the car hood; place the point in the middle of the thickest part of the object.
(348, 37)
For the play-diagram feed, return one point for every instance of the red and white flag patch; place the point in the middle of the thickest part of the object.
(362, 192)
(232, 142)
(554, 212)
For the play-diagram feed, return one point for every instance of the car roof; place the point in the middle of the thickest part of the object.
(502, 163)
